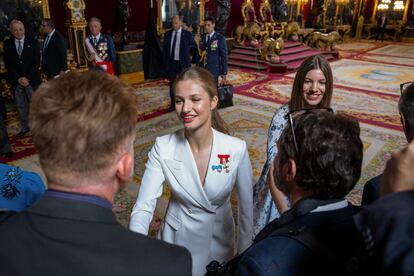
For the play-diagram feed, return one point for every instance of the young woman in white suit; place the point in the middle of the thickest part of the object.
(201, 165)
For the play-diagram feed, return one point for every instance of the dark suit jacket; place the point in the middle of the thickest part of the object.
(55, 55)
(371, 190)
(27, 65)
(216, 55)
(333, 243)
(59, 236)
(387, 228)
(379, 23)
(188, 48)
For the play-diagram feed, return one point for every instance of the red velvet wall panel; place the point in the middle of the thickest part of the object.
(106, 11)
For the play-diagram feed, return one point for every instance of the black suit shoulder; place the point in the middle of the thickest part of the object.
(82, 239)
(371, 190)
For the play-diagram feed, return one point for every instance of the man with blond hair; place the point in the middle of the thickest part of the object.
(22, 60)
(83, 129)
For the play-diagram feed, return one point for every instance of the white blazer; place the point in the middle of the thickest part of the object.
(198, 217)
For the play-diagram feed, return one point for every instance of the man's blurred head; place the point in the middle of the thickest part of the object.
(406, 108)
(327, 163)
(47, 26)
(17, 29)
(95, 26)
(83, 127)
(209, 24)
(176, 22)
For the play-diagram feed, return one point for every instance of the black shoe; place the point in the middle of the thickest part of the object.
(8, 154)
(21, 134)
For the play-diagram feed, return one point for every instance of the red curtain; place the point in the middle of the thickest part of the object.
(106, 12)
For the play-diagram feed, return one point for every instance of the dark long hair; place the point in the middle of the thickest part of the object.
(313, 62)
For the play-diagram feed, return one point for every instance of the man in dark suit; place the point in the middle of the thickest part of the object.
(387, 224)
(215, 47)
(179, 46)
(381, 26)
(316, 236)
(83, 127)
(22, 60)
(406, 107)
(54, 56)
(101, 47)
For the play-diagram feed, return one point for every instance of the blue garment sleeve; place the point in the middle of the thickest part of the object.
(111, 49)
(223, 55)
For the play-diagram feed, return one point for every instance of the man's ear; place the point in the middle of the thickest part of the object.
(124, 167)
(289, 170)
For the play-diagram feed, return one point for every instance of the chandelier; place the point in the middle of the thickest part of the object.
(383, 6)
(398, 5)
(342, 2)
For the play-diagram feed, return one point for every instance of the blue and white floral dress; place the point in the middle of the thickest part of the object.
(264, 208)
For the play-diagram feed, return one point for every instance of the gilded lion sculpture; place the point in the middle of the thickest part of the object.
(271, 48)
(326, 41)
(242, 33)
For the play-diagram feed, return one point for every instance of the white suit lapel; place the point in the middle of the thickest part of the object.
(220, 173)
(185, 172)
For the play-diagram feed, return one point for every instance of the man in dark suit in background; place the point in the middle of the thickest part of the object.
(83, 127)
(214, 44)
(381, 26)
(54, 56)
(406, 107)
(179, 45)
(22, 60)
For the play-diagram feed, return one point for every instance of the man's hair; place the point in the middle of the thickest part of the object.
(96, 19)
(313, 62)
(49, 22)
(211, 19)
(80, 123)
(406, 106)
(330, 153)
(179, 17)
(15, 21)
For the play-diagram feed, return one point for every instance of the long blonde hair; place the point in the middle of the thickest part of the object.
(206, 80)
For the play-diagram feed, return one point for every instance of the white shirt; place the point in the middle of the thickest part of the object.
(177, 43)
(96, 37)
(16, 42)
(331, 207)
(47, 39)
(209, 36)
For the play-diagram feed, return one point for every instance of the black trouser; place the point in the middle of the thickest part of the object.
(380, 34)
(174, 69)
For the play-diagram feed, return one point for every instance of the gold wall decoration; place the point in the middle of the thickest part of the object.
(45, 8)
(76, 24)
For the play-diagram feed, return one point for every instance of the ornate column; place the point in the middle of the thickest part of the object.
(76, 24)
(45, 8)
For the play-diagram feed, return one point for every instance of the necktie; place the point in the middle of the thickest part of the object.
(19, 47)
(173, 45)
(208, 39)
(94, 40)
(46, 42)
